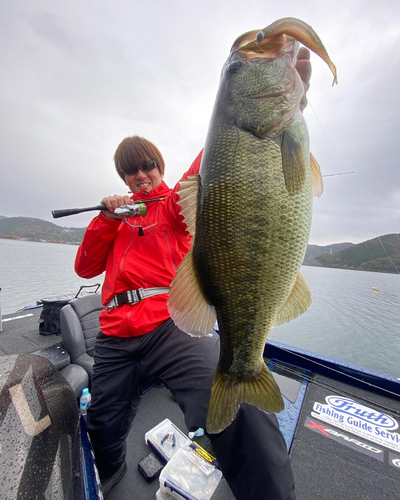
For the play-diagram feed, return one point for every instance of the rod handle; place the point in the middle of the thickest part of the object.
(72, 211)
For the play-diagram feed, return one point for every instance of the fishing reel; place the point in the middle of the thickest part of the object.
(129, 211)
(136, 210)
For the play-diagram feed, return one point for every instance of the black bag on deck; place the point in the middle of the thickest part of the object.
(49, 321)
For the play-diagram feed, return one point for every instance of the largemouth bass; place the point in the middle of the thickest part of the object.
(249, 211)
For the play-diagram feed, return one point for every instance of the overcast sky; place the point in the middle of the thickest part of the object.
(79, 76)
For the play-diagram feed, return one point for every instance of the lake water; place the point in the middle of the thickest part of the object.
(30, 271)
(348, 320)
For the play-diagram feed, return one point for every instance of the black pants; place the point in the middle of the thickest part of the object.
(251, 451)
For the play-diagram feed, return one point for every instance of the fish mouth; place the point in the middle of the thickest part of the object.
(279, 39)
(273, 92)
(248, 45)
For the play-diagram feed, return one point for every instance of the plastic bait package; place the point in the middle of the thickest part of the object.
(183, 478)
(200, 457)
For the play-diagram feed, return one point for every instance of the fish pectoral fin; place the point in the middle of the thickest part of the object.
(187, 305)
(188, 196)
(316, 177)
(226, 397)
(293, 163)
(297, 303)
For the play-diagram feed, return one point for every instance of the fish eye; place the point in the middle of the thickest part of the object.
(234, 67)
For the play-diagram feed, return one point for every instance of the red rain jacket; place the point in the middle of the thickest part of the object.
(132, 261)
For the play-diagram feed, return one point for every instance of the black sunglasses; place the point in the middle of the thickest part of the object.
(146, 166)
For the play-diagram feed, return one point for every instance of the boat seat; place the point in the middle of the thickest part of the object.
(79, 322)
(75, 375)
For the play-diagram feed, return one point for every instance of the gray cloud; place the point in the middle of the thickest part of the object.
(77, 77)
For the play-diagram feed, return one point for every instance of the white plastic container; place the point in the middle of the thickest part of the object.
(166, 439)
(163, 495)
(188, 476)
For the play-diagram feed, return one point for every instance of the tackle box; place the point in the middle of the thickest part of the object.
(165, 439)
(189, 476)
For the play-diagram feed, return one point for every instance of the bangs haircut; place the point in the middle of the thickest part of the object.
(132, 152)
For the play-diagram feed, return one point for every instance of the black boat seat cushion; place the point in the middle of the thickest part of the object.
(75, 375)
(79, 321)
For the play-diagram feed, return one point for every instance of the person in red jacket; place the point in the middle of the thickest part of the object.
(139, 341)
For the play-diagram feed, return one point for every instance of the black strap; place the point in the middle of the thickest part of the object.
(123, 298)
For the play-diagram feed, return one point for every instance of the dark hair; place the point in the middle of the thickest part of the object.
(132, 152)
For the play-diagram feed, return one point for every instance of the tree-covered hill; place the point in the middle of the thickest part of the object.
(371, 255)
(379, 254)
(314, 250)
(39, 230)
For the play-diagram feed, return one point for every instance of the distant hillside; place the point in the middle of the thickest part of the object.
(314, 250)
(367, 256)
(32, 229)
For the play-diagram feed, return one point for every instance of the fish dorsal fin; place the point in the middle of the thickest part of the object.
(297, 303)
(316, 177)
(188, 196)
(187, 305)
(293, 164)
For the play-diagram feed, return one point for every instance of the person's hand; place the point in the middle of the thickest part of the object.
(113, 202)
(303, 67)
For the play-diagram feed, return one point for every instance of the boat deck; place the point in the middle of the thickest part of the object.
(331, 457)
(20, 334)
(157, 404)
(330, 462)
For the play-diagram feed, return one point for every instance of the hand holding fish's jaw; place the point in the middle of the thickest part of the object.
(303, 68)
(278, 37)
(278, 47)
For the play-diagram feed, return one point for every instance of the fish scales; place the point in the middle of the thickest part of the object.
(251, 237)
(249, 211)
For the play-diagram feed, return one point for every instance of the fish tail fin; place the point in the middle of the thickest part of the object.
(226, 397)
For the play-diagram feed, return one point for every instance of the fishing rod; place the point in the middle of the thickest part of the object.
(354, 191)
(340, 173)
(137, 209)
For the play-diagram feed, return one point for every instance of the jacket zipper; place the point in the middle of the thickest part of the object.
(170, 250)
(122, 261)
